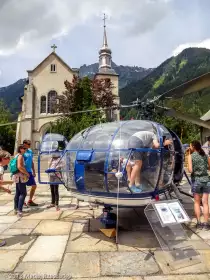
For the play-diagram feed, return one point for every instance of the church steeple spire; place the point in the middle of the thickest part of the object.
(105, 44)
(105, 58)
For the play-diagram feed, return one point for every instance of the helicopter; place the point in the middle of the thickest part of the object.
(95, 161)
(93, 158)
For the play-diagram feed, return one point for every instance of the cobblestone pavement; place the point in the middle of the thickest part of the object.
(68, 244)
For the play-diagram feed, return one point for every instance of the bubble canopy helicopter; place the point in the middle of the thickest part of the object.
(94, 156)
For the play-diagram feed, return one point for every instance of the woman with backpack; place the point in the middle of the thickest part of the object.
(20, 178)
(198, 166)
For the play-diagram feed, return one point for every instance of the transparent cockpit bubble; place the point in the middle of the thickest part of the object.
(106, 151)
(44, 160)
(49, 146)
(67, 171)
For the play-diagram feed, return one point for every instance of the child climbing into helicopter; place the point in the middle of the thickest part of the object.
(54, 177)
(141, 139)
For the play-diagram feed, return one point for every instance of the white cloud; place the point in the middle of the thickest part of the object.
(24, 23)
(202, 44)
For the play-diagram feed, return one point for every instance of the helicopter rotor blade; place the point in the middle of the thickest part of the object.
(185, 117)
(117, 107)
(191, 86)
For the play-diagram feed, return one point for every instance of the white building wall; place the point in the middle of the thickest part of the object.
(41, 82)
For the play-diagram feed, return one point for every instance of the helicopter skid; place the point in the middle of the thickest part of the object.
(112, 201)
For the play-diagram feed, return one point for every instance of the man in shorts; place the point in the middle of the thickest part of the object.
(29, 165)
(140, 139)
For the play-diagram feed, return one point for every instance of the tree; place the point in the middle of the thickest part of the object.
(82, 94)
(7, 133)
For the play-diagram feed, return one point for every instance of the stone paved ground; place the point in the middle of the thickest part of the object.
(68, 244)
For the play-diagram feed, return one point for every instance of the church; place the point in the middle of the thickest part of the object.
(45, 82)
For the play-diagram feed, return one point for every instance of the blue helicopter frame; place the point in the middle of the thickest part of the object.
(83, 156)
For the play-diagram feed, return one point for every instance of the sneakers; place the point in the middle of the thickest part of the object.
(50, 206)
(140, 186)
(135, 189)
(2, 243)
(20, 214)
(90, 206)
(25, 205)
(31, 203)
(199, 225)
(206, 226)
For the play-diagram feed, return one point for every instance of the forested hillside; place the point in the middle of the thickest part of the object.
(191, 63)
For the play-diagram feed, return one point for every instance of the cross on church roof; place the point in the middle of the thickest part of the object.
(104, 19)
(54, 47)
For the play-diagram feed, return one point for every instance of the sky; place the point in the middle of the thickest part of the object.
(140, 32)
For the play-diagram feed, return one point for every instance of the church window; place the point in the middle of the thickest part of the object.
(53, 68)
(43, 105)
(52, 101)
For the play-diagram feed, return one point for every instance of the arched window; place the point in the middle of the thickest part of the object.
(43, 105)
(52, 100)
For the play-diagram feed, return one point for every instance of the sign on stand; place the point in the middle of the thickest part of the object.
(166, 218)
(171, 212)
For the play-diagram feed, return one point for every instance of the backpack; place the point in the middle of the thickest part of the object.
(13, 165)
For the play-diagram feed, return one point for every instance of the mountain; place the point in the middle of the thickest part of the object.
(11, 95)
(127, 74)
(190, 63)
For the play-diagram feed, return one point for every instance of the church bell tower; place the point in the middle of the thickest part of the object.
(106, 71)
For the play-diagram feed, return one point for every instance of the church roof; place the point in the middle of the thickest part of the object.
(59, 58)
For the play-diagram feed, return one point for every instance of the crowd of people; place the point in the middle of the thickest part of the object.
(25, 176)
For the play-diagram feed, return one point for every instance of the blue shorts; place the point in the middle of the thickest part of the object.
(31, 180)
(200, 188)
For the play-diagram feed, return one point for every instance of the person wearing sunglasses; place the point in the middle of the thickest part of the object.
(29, 163)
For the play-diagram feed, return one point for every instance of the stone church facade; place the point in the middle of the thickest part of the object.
(44, 83)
